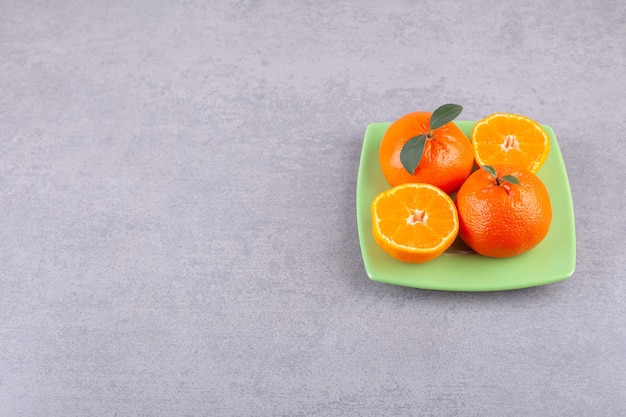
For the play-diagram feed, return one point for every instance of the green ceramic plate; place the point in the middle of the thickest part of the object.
(459, 268)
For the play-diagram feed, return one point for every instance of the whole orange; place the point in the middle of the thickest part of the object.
(499, 218)
(448, 155)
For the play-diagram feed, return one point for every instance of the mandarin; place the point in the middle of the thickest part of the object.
(504, 138)
(504, 211)
(414, 222)
(447, 158)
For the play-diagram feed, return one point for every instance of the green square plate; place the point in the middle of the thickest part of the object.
(459, 268)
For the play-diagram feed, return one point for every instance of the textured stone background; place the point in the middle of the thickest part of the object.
(177, 222)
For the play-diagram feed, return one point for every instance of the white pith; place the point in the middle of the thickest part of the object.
(417, 216)
(510, 142)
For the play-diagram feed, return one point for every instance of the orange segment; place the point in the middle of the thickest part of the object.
(503, 138)
(414, 222)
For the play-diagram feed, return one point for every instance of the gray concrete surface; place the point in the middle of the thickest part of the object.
(177, 223)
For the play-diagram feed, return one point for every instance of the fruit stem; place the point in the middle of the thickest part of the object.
(512, 179)
(504, 184)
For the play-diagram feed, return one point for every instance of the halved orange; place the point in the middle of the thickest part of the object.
(504, 138)
(414, 222)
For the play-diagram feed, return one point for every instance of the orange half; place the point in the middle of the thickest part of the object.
(503, 138)
(414, 222)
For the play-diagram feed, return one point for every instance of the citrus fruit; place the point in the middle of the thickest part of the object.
(414, 222)
(504, 210)
(447, 158)
(503, 138)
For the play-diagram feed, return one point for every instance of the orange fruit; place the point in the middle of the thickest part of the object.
(414, 222)
(500, 219)
(447, 159)
(503, 138)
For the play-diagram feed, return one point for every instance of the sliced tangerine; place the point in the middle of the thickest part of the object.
(414, 222)
(503, 138)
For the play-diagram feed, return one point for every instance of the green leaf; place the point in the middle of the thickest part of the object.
(490, 170)
(444, 114)
(510, 179)
(411, 153)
